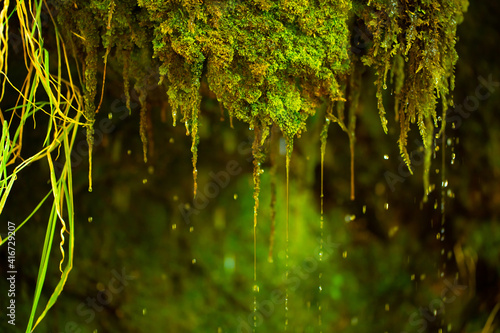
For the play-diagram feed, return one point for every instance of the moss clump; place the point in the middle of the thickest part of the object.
(415, 40)
(274, 62)
(266, 63)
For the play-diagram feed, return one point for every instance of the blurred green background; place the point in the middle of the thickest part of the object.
(150, 259)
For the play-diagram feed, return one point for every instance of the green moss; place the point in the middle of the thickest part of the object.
(273, 63)
(416, 40)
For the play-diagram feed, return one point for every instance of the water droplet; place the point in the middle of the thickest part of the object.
(386, 206)
(320, 288)
(193, 261)
(354, 321)
(235, 196)
(144, 181)
(412, 277)
(151, 169)
(384, 86)
(449, 142)
(449, 327)
(387, 307)
(110, 115)
(90, 188)
(364, 209)
(90, 219)
(129, 152)
(344, 254)
(444, 184)
(349, 218)
(422, 277)
(144, 311)
(229, 263)
(175, 198)
(171, 140)
(438, 235)
(191, 229)
(256, 288)
(386, 157)
(393, 231)
(174, 226)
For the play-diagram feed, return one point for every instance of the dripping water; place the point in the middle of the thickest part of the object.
(273, 199)
(324, 134)
(289, 149)
(256, 181)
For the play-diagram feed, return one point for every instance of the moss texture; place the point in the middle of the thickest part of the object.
(274, 62)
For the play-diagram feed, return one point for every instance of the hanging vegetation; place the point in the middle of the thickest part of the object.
(268, 64)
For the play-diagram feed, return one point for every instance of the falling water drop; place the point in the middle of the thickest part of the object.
(348, 218)
(324, 135)
(110, 115)
(289, 149)
(129, 152)
(386, 157)
(386, 206)
(174, 226)
(193, 261)
(144, 181)
(235, 196)
(90, 219)
(191, 229)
